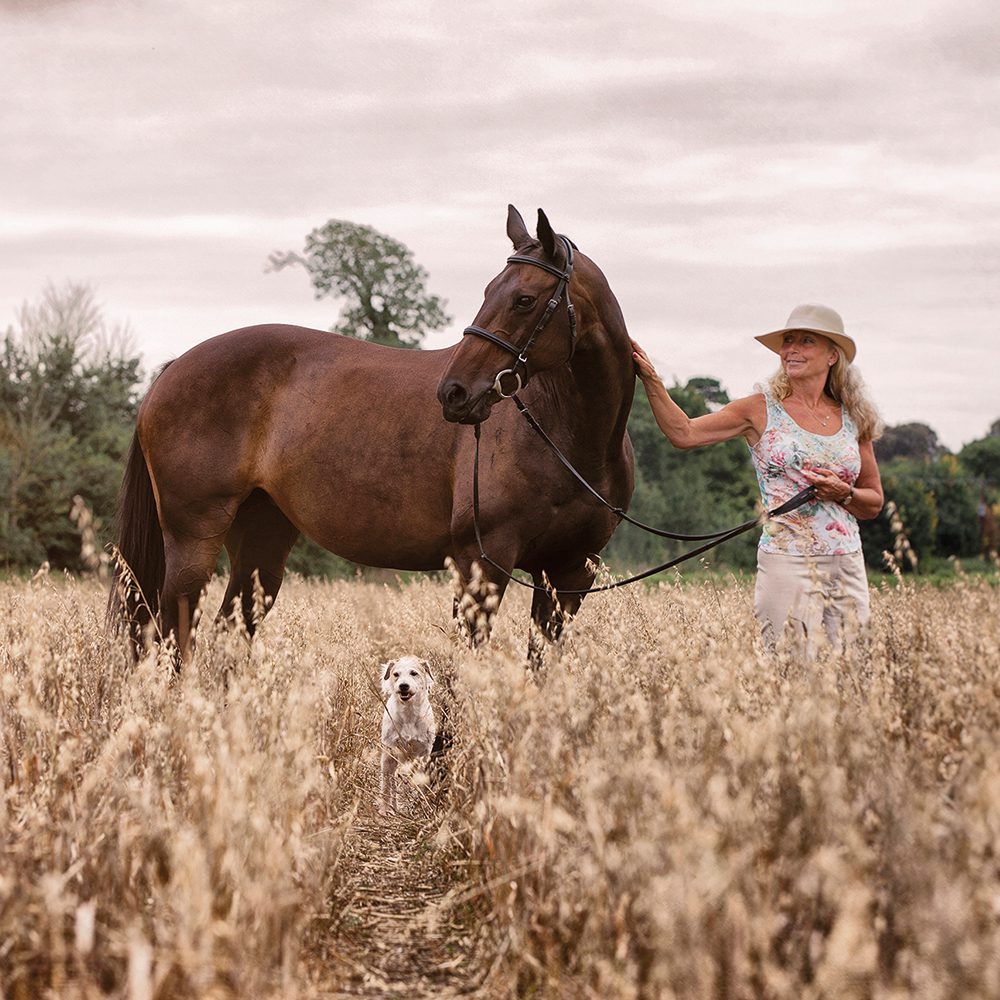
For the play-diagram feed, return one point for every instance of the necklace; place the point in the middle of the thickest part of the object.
(814, 410)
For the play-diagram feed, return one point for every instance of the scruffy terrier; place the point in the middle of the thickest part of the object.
(408, 726)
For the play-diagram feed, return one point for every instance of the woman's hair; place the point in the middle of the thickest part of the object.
(846, 386)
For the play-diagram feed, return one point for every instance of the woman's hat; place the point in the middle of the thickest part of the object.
(818, 319)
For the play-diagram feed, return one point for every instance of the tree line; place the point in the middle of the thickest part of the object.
(71, 384)
(941, 497)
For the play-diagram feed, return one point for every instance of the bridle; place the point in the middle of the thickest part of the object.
(521, 353)
(711, 539)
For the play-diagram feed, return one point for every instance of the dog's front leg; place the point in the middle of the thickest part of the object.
(387, 783)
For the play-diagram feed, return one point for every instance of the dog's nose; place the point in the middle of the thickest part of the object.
(404, 688)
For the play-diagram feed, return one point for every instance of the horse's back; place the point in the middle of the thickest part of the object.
(345, 437)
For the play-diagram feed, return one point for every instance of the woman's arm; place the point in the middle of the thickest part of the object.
(865, 499)
(739, 418)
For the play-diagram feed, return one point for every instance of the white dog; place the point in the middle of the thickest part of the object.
(408, 726)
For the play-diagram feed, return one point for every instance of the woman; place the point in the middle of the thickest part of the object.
(812, 424)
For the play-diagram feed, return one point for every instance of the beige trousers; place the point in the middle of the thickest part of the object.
(800, 599)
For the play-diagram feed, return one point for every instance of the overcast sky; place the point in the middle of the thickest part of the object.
(721, 161)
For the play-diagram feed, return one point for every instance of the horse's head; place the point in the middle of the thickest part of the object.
(524, 326)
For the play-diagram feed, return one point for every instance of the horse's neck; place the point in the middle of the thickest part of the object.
(606, 377)
(602, 379)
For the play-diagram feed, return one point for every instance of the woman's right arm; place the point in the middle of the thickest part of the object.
(740, 418)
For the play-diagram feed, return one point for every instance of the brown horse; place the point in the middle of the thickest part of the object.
(259, 434)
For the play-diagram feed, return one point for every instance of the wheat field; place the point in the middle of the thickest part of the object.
(664, 813)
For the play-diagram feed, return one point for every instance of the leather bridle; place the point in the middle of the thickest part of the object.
(521, 361)
(521, 353)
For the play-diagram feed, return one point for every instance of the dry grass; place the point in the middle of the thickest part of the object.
(668, 814)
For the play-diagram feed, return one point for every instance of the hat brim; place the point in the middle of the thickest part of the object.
(772, 341)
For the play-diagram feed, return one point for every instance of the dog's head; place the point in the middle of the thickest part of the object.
(406, 677)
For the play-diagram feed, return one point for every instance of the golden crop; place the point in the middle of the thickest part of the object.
(666, 813)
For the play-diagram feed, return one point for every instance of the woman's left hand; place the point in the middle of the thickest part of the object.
(829, 486)
(643, 366)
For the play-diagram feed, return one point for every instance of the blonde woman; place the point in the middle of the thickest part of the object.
(811, 424)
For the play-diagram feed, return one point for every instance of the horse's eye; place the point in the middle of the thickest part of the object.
(524, 301)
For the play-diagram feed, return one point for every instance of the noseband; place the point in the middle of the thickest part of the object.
(521, 354)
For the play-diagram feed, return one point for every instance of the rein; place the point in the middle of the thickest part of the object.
(521, 355)
(717, 537)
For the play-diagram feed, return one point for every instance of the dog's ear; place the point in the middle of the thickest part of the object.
(388, 667)
(430, 676)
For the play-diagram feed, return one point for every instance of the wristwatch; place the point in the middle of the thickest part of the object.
(850, 496)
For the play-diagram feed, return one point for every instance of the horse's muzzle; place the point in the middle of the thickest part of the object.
(459, 406)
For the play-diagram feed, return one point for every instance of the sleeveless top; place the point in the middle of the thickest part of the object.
(820, 527)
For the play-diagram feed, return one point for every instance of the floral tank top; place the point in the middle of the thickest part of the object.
(819, 527)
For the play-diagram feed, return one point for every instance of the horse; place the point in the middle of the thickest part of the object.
(261, 434)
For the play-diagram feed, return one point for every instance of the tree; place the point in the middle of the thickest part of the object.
(710, 389)
(913, 440)
(376, 276)
(982, 459)
(686, 491)
(937, 504)
(68, 400)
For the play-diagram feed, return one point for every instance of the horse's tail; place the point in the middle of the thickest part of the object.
(138, 560)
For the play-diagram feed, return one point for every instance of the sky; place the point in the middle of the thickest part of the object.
(720, 160)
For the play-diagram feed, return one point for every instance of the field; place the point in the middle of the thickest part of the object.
(664, 813)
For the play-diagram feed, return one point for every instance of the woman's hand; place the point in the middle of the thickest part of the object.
(829, 486)
(643, 366)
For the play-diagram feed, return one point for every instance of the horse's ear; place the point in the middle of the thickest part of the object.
(516, 229)
(546, 236)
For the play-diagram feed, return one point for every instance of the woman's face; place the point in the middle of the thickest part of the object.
(805, 354)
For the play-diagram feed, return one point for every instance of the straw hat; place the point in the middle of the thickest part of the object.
(818, 319)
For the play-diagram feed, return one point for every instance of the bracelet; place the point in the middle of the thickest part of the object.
(850, 496)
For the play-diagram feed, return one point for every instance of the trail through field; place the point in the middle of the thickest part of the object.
(392, 933)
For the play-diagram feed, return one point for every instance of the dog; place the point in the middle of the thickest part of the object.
(408, 725)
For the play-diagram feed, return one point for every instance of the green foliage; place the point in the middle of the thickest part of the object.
(937, 503)
(904, 485)
(309, 559)
(69, 393)
(982, 459)
(693, 492)
(68, 399)
(913, 440)
(376, 276)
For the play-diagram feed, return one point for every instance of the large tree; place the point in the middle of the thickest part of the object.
(382, 287)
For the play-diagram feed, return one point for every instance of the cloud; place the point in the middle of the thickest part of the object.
(721, 160)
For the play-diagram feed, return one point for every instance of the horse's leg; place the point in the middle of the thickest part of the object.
(479, 591)
(193, 534)
(259, 539)
(190, 562)
(548, 615)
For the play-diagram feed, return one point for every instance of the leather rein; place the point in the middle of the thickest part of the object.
(711, 539)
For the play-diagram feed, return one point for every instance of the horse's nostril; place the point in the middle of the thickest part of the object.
(454, 394)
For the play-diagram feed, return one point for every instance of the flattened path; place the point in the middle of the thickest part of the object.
(393, 931)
